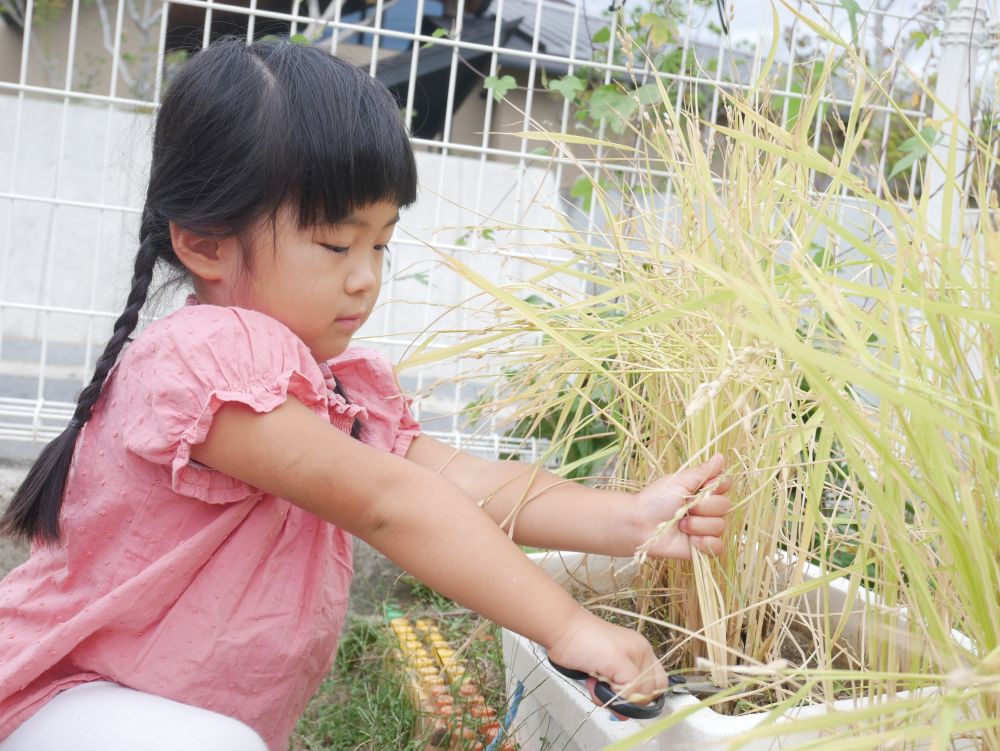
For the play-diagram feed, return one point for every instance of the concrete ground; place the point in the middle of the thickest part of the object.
(376, 579)
(11, 553)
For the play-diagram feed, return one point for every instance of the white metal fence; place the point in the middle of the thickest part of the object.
(79, 83)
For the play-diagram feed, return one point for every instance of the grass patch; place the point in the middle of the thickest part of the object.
(362, 705)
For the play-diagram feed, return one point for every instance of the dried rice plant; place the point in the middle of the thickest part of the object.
(846, 369)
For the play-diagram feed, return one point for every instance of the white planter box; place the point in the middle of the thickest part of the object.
(557, 713)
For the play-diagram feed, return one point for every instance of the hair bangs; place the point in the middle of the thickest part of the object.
(341, 137)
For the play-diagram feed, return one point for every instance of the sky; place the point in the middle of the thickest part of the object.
(751, 24)
(752, 18)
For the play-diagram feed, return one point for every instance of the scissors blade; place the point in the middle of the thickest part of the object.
(693, 684)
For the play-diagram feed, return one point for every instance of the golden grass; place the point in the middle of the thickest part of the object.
(847, 371)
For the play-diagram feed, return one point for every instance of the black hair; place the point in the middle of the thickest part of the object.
(243, 130)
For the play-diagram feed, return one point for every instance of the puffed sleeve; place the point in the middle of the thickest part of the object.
(369, 380)
(183, 368)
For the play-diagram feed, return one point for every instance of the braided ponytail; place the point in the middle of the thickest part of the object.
(357, 427)
(33, 512)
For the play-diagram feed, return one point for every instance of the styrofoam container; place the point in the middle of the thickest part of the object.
(557, 713)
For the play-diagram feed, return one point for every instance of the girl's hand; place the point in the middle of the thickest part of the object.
(613, 654)
(701, 526)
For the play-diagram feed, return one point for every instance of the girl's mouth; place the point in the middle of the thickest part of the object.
(350, 323)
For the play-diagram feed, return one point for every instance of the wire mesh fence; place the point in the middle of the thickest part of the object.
(81, 81)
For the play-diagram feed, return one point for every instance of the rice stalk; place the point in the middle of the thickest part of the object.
(846, 369)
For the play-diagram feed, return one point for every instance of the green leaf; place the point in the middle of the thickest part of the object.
(486, 234)
(918, 38)
(915, 148)
(794, 103)
(853, 9)
(538, 301)
(905, 163)
(499, 86)
(670, 62)
(437, 34)
(177, 57)
(921, 142)
(602, 35)
(611, 104)
(583, 188)
(568, 86)
(648, 94)
(299, 39)
(662, 29)
(822, 257)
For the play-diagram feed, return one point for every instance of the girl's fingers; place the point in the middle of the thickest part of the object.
(713, 505)
(650, 682)
(712, 545)
(700, 526)
(725, 483)
(693, 478)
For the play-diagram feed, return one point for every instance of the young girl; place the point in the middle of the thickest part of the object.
(192, 525)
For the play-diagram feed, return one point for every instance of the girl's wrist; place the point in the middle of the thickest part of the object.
(624, 524)
(566, 626)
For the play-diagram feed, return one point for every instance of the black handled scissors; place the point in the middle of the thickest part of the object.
(679, 684)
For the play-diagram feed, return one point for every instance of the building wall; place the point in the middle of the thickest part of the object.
(76, 253)
(67, 256)
(92, 68)
(508, 119)
(10, 52)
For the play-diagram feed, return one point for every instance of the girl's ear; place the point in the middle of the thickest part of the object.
(207, 258)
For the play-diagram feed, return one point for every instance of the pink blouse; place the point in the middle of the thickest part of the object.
(172, 578)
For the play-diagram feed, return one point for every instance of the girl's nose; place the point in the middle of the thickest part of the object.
(362, 278)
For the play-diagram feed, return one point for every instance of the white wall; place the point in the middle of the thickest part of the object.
(79, 257)
(65, 255)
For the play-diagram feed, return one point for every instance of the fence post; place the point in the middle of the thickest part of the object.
(954, 93)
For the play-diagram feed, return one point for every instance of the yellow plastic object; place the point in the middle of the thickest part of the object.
(451, 711)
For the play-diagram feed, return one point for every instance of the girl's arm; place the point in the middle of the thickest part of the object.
(544, 510)
(428, 526)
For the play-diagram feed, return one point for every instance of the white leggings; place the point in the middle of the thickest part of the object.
(103, 716)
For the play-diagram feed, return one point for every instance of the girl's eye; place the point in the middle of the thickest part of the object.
(341, 249)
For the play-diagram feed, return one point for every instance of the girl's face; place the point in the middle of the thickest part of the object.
(321, 281)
